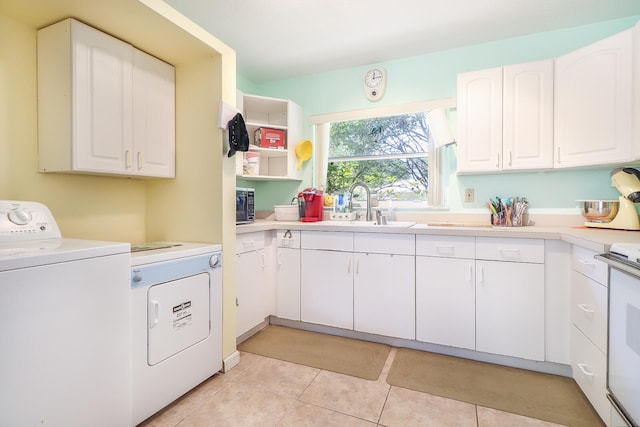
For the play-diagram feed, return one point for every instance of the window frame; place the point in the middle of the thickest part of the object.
(321, 124)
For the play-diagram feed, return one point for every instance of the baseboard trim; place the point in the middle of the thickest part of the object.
(230, 362)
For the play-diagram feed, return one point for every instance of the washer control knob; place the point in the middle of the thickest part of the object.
(19, 216)
(136, 277)
(214, 260)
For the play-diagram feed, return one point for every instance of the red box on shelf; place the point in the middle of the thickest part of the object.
(270, 138)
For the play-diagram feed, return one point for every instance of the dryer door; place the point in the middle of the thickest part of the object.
(178, 315)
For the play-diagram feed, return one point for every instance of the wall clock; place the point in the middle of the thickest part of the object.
(374, 81)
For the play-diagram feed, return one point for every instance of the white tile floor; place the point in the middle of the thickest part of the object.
(267, 392)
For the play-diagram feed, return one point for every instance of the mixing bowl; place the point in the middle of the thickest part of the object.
(599, 210)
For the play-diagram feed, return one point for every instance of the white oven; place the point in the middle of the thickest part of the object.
(623, 353)
(176, 304)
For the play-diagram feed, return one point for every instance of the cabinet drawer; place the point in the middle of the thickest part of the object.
(583, 261)
(381, 243)
(446, 246)
(589, 366)
(589, 309)
(327, 240)
(519, 250)
(288, 239)
(249, 242)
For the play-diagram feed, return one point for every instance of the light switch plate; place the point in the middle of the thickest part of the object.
(468, 195)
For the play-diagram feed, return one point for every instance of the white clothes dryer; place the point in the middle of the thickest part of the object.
(176, 300)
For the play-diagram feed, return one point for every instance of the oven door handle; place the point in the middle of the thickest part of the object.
(619, 410)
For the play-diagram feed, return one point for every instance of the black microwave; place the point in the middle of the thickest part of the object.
(245, 205)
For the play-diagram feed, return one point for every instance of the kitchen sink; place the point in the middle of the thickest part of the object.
(392, 224)
(453, 224)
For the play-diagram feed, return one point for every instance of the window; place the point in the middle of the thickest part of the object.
(394, 154)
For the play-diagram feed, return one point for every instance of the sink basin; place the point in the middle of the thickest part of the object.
(393, 224)
(453, 224)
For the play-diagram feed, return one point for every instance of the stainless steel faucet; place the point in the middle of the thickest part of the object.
(367, 191)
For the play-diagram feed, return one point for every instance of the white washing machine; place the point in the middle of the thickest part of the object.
(64, 324)
(176, 297)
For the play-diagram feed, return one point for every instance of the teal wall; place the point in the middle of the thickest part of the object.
(428, 77)
(433, 76)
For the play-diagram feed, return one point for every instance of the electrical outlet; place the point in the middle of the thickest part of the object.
(468, 195)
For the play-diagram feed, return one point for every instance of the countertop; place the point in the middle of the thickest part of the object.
(598, 240)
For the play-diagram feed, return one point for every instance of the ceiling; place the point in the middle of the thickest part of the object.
(280, 39)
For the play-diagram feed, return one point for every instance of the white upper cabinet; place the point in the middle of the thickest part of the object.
(154, 126)
(271, 113)
(635, 148)
(505, 118)
(480, 121)
(527, 131)
(103, 106)
(593, 105)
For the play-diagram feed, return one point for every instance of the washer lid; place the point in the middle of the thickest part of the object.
(51, 251)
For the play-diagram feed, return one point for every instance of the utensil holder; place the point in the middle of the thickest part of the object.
(499, 220)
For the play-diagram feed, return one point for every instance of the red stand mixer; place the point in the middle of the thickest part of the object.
(310, 205)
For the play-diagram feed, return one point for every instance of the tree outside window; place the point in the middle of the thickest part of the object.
(389, 154)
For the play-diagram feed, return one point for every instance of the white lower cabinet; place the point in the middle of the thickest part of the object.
(370, 290)
(589, 367)
(446, 295)
(384, 284)
(288, 274)
(326, 287)
(488, 291)
(589, 314)
(510, 309)
(510, 297)
(326, 294)
(383, 295)
(254, 292)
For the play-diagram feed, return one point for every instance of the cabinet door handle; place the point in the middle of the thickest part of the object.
(586, 309)
(349, 265)
(470, 275)
(587, 263)
(558, 157)
(264, 260)
(583, 368)
(480, 274)
(514, 251)
(498, 161)
(443, 248)
(278, 258)
(510, 158)
(127, 159)
(139, 160)
(358, 265)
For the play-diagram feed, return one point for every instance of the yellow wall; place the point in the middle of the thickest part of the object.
(198, 204)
